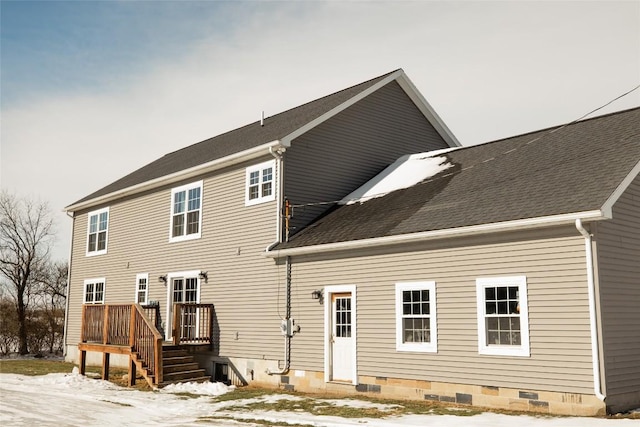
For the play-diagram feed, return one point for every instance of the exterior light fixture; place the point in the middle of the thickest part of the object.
(318, 294)
(163, 279)
(203, 275)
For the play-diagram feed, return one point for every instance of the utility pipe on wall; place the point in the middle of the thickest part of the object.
(595, 354)
(287, 339)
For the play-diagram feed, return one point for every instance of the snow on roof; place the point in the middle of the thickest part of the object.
(405, 172)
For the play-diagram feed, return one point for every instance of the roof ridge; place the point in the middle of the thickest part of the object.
(380, 77)
(547, 129)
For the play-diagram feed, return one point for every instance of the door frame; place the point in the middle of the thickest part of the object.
(177, 275)
(328, 315)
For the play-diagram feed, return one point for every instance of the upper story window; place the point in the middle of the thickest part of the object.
(260, 183)
(97, 230)
(503, 318)
(416, 317)
(186, 212)
(142, 288)
(94, 291)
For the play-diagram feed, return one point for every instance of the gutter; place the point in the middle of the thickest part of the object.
(595, 355)
(220, 163)
(521, 224)
(66, 308)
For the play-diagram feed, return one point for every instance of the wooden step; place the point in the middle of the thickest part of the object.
(167, 369)
(183, 375)
(174, 353)
(167, 361)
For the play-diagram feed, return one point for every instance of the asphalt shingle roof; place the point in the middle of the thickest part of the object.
(252, 135)
(548, 172)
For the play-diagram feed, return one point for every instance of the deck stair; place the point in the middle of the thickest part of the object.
(178, 366)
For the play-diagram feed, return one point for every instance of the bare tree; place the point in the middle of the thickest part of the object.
(54, 295)
(26, 236)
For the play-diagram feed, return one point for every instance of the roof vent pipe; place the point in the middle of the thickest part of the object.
(262, 119)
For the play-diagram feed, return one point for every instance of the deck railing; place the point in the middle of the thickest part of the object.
(106, 324)
(192, 323)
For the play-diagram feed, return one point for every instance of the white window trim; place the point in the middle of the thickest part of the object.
(186, 188)
(260, 167)
(106, 243)
(190, 274)
(104, 290)
(430, 347)
(146, 292)
(523, 350)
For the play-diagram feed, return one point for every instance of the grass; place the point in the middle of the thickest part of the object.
(34, 367)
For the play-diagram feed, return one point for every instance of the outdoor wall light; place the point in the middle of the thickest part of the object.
(163, 279)
(317, 294)
(204, 275)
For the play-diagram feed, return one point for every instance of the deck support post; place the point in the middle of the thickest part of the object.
(105, 366)
(83, 362)
(132, 372)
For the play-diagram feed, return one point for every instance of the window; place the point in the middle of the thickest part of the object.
(97, 228)
(260, 187)
(94, 291)
(503, 320)
(142, 288)
(416, 317)
(186, 212)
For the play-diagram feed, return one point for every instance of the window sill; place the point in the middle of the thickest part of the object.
(500, 350)
(261, 200)
(96, 253)
(417, 348)
(185, 238)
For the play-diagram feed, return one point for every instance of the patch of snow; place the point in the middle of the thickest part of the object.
(74, 400)
(203, 389)
(405, 172)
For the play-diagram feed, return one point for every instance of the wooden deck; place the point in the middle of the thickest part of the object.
(128, 329)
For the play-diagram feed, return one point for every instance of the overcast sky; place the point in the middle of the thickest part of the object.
(91, 91)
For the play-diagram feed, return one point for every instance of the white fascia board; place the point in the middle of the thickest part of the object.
(286, 141)
(521, 224)
(194, 171)
(427, 110)
(607, 208)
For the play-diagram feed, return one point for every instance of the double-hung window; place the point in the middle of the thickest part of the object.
(186, 212)
(503, 319)
(94, 291)
(97, 230)
(142, 288)
(260, 183)
(416, 317)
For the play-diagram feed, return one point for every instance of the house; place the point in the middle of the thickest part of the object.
(313, 251)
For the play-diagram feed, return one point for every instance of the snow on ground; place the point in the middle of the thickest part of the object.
(405, 172)
(73, 400)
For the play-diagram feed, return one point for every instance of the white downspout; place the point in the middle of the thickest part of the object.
(277, 154)
(595, 355)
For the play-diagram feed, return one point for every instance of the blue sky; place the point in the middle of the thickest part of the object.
(91, 91)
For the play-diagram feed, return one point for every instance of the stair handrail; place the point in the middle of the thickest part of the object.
(146, 341)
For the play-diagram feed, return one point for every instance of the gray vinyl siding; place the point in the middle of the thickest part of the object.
(553, 262)
(618, 243)
(338, 156)
(241, 281)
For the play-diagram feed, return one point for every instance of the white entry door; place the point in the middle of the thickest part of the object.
(341, 337)
(183, 290)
